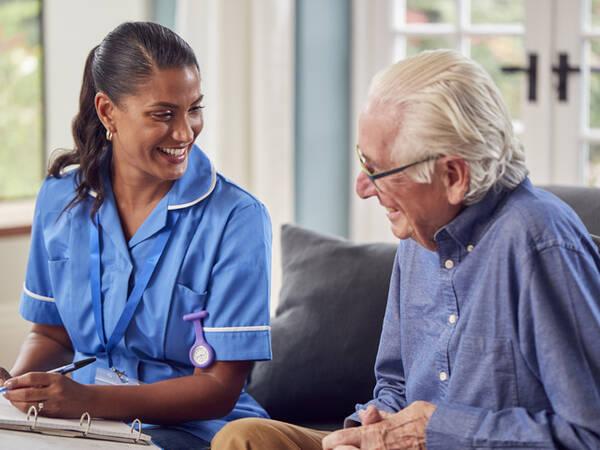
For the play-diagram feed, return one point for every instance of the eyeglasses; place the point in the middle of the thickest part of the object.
(377, 176)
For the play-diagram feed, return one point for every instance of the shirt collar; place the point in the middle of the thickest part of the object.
(470, 224)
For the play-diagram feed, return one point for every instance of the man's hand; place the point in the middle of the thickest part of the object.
(372, 415)
(382, 431)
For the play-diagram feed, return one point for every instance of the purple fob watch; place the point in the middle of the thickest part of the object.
(202, 354)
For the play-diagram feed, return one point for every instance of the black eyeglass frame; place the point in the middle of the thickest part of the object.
(386, 173)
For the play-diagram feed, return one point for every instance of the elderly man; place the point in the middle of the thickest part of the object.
(492, 328)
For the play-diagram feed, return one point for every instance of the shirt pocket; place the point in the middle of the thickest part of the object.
(483, 373)
(180, 335)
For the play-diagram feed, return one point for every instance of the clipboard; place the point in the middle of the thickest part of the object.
(84, 428)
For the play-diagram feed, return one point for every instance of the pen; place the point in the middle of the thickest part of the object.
(64, 369)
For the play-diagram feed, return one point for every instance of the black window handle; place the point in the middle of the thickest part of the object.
(563, 70)
(531, 72)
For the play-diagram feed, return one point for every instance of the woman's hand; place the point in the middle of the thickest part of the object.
(52, 394)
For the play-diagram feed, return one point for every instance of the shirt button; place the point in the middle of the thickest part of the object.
(452, 319)
(448, 264)
(443, 376)
(470, 248)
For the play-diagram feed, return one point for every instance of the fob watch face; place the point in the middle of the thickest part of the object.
(200, 354)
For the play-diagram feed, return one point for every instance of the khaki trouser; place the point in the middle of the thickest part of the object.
(265, 434)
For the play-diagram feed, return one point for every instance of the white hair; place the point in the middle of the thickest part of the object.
(446, 104)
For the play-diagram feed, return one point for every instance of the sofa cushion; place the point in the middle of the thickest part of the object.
(585, 201)
(326, 328)
(596, 239)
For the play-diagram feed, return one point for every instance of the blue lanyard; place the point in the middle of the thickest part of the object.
(135, 296)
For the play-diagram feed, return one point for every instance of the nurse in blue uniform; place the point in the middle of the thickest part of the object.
(133, 230)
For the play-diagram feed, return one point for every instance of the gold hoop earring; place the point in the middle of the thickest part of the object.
(109, 135)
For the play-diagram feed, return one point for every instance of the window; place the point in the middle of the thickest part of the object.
(22, 157)
(591, 91)
(489, 31)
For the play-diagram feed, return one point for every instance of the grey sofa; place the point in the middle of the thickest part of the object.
(327, 325)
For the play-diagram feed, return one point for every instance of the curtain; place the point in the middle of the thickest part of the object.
(246, 53)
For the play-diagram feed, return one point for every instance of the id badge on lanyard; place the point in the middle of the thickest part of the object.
(114, 377)
(147, 269)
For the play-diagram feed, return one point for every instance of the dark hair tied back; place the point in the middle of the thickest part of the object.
(124, 60)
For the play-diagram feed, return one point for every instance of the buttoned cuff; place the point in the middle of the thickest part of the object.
(353, 420)
(452, 427)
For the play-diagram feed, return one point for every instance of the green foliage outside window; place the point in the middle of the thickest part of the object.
(491, 52)
(21, 121)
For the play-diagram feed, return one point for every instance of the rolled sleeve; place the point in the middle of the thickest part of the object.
(238, 325)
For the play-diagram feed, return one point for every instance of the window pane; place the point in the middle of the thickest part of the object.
(21, 155)
(497, 12)
(416, 45)
(596, 13)
(430, 11)
(593, 169)
(594, 87)
(493, 53)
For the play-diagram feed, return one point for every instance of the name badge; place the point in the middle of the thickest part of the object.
(114, 377)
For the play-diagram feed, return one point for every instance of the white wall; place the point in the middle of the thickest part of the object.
(12, 270)
(71, 29)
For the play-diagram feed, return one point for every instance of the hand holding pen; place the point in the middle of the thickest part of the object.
(50, 392)
(60, 370)
(4, 375)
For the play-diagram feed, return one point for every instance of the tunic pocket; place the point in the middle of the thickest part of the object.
(483, 373)
(180, 335)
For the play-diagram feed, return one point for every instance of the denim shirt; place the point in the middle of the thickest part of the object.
(499, 328)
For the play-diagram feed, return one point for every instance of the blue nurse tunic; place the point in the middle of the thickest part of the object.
(217, 259)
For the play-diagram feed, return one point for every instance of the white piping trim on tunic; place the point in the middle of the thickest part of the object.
(36, 296)
(213, 182)
(226, 329)
(69, 168)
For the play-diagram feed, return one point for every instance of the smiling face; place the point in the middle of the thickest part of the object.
(154, 129)
(415, 210)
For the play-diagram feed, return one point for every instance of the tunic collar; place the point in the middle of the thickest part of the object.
(196, 184)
